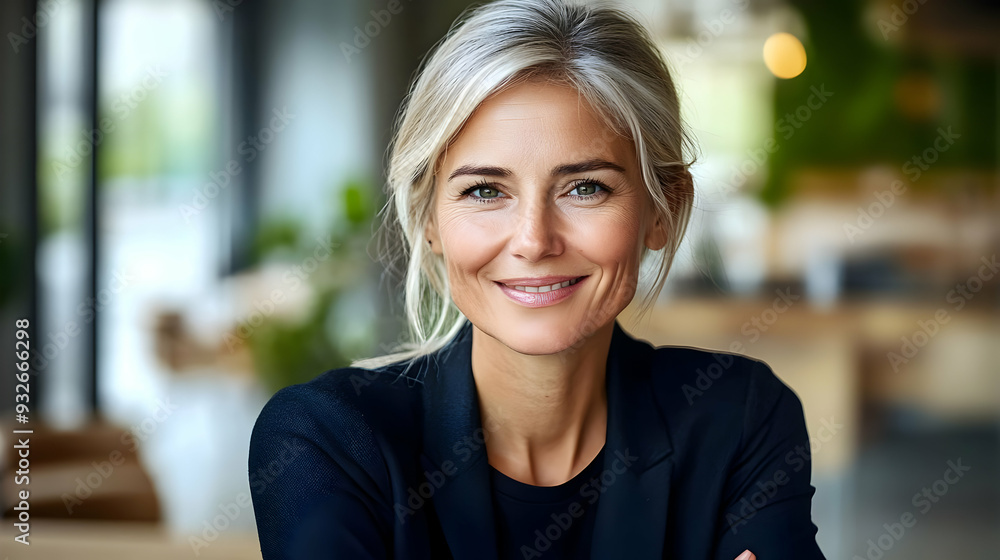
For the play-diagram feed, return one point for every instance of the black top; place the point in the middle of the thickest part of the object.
(548, 522)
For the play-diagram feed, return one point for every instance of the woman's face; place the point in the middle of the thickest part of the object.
(536, 191)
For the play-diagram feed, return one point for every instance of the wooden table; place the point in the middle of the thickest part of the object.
(101, 540)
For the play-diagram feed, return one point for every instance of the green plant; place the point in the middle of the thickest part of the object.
(866, 121)
(290, 351)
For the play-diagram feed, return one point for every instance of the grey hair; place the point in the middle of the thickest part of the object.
(602, 52)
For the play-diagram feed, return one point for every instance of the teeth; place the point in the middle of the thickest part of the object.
(549, 288)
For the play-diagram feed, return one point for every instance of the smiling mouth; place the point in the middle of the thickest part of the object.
(549, 288)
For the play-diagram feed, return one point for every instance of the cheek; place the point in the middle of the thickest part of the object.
(611, 238)
(470, 242)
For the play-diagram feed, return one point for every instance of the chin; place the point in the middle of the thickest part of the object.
(537, 338)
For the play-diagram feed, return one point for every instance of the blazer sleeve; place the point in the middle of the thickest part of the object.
(768, 494)
(316, 475)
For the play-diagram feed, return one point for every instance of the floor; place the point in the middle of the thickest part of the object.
(958, 518)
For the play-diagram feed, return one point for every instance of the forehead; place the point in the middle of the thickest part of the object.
(538, 120)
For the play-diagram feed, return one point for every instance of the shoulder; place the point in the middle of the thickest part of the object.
(321, 460)
(719, 392)
(694, 375)
(343, 410)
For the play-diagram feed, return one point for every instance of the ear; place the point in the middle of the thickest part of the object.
(656, 234)
(431, 234)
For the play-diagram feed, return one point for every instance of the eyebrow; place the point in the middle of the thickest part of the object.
(565, 169)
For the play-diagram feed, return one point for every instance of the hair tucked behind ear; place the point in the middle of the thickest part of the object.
(602, 52)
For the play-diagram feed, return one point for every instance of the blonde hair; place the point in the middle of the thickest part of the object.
(602, 52)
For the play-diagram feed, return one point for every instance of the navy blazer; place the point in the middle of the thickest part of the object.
(706, 455)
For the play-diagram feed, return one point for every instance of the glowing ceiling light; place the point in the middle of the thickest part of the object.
(784, 55)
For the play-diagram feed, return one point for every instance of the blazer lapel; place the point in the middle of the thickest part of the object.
(635, 484)
(453, 447)
(632, 510)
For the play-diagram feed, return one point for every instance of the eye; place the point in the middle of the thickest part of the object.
(589, 188)
(487, 192)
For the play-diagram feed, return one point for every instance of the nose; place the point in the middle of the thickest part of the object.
(537, 231)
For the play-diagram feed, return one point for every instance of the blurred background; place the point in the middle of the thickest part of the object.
(189, 189)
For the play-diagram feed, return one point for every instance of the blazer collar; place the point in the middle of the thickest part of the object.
(632, 509)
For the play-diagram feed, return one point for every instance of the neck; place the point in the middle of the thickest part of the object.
(546, 415)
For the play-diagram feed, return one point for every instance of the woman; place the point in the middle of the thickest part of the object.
(538, 179)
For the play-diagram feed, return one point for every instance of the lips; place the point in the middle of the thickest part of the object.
(540, 292)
